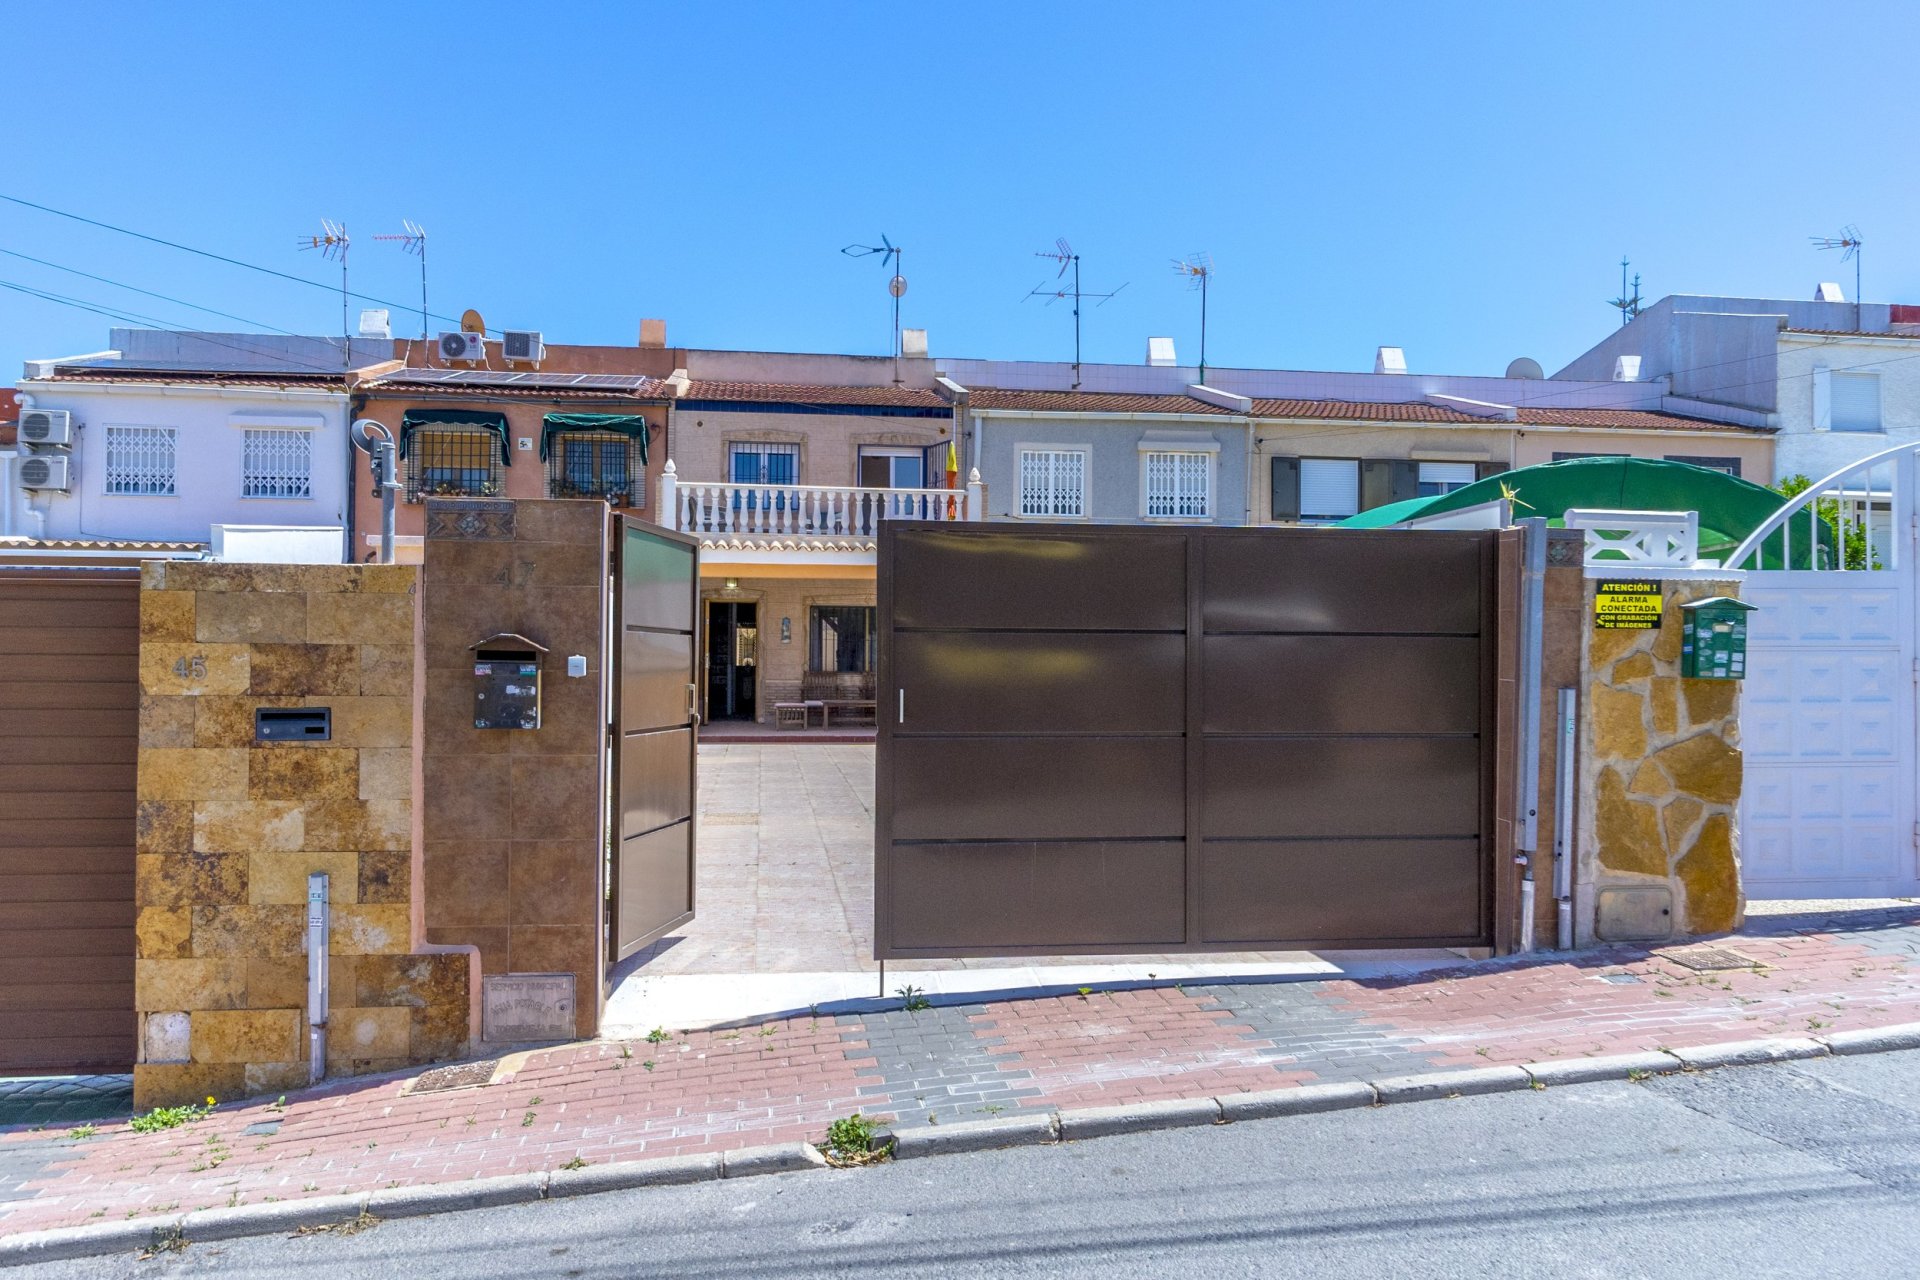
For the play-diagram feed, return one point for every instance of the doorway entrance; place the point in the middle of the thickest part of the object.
(733, 659)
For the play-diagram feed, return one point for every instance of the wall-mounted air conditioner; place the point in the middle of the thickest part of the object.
(463, 346)
(44, 471)
(518, 345)
(46, 426)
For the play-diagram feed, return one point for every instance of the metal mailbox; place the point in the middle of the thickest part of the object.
(506, 681)
(1713, 645)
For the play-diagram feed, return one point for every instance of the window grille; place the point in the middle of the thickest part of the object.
(1177, 485)
(842, 638)
(1053, 482)
(451, 463)
(140, 461)
(764, 463)
(596, 464)
(277, 464)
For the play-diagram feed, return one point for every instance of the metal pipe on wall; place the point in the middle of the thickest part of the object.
(1526, 841)
(1563, 765)
(319, 914)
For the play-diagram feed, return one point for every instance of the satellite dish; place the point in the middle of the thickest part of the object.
(897, 286)
(1527, 368)
(470, 322)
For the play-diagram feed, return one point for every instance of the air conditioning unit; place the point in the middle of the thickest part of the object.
(463, 346)
(522, 346)
(44, 471)
(46, 426)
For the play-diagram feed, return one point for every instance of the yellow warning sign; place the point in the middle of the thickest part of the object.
(1626, 606)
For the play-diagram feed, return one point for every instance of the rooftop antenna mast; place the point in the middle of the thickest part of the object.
(1627, 304)
(1063, 253)
(1198, 270)
(332, 243)
(1849, 243)
(414, 241)
(889, 255)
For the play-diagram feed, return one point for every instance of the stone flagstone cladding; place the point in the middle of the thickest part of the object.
(228, 830)
(1660, 777)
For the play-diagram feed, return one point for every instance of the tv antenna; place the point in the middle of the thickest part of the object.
(332, 243)
(414, 241)
(1849, 243)
(889, 255)
(1628, 305)
(1063, 253)
(1198, 270)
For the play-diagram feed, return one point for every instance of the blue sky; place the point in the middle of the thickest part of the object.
(1460, 180)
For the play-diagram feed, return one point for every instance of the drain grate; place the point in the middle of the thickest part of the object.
(465, 1075)
(1709, 959)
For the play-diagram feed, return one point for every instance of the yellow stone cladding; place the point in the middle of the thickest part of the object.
(1664, 768)
(228, 830)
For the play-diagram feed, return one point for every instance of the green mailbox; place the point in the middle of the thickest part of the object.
(1714, 644)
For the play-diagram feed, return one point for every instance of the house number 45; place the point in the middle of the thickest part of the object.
(194, 668)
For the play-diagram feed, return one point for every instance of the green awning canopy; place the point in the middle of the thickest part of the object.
(1730, 508)
(465, 419)
(631, 425)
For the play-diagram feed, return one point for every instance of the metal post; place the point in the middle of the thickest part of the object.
(318, 915)
(384, 467)
(1563, 764)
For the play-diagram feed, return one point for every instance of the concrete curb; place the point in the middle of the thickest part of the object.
(102, 1239)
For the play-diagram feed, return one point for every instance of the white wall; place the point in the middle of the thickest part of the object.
(210, 424)
(1800, 449)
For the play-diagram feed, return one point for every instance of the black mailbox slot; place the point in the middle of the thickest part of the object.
(293, 724)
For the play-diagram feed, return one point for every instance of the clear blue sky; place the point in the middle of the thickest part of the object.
(1460, 180)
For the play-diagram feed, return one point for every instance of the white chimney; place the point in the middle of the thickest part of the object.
(1626, 368)
(913, 343)
(1160, 352)
(1390, 360)
(1829, 291)
(373, 323)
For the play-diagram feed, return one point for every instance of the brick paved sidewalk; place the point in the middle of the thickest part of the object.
(786, 1080)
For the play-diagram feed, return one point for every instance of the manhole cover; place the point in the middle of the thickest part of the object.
(1711, 958)
(465, 1075)
(1619, 979)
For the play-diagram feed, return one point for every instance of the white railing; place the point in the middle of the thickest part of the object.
(805, 510)
(1643, 539)
(1859, 518)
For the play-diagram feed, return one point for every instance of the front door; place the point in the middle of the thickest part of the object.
(733, 659)
(657, 592)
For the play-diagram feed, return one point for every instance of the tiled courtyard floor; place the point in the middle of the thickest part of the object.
(785, 1080)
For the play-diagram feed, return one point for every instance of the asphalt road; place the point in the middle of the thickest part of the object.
(1758, 1171)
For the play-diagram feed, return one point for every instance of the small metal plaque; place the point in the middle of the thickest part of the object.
(527, 1006)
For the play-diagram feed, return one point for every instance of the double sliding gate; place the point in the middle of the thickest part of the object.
(1160, 740)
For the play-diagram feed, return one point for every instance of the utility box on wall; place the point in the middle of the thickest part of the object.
(1713, 644)
(506, 682)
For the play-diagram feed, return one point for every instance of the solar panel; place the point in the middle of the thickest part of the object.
(523, 378)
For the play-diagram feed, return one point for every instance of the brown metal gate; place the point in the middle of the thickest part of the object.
(69, 729)
(1115, 740)
(656, 602)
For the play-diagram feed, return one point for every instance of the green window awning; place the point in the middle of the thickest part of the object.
(459, 419)
(631, 425)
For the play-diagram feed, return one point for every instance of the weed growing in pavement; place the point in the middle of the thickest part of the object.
(535, 1100)
(1814, 1024)
(659, 1035)
(80, 1133)
(1085, 992)
(575, 1163)
(626, 1051)
(1638, 1075)
(1535, 1084)
(526, 1120)
(913, 999)
(850, 1142)
(471, 1122)
(351, 1227)
(170, 1240)
(648, 1064)
(311, 1186)
(278, 1104)
(161, 1118)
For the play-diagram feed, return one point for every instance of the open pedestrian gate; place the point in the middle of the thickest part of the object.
(1827, 715)
(1140, 740)
(656, 601)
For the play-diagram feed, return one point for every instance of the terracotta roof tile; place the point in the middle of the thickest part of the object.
(398, 385)
(1524, 415)
(1856, 333)
(796, 393)
(1627, 420)
(271, 378)
(1368, 411)
(1088, 402)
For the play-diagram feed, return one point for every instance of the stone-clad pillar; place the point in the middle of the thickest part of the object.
(1660, 778)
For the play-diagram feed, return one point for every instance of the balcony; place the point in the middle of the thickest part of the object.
(760, 524)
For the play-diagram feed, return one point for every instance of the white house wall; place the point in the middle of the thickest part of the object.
(1801, 448)
(210, 426)
(1112, 444)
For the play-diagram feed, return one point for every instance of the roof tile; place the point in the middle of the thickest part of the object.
(797, 393)
(1088, 402)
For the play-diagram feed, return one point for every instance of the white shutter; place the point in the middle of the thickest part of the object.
(1445, 477)
(1856, 402)
(1329, 488)
(1179, 485)
(1052, 482)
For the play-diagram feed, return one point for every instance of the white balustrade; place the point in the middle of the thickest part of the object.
(1644, 539)
(771, 511)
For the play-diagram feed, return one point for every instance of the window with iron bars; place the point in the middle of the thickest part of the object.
(140, 461)
(450, 463)
(597, 464)
(277, 464)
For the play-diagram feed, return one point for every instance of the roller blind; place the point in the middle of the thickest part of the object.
(1856, 402)
(1329, 488)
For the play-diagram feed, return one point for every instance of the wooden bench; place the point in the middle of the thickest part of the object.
(850, 693)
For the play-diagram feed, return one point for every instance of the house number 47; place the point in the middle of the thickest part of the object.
(194, 668)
